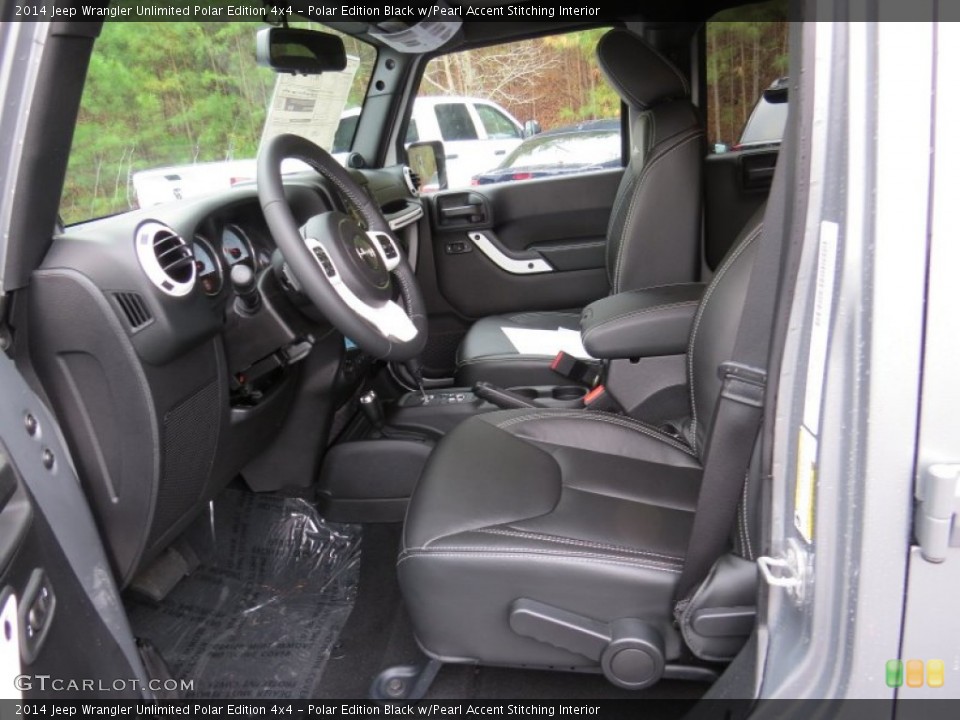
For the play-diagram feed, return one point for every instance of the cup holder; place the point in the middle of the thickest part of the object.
(568, 392)
(527, 392)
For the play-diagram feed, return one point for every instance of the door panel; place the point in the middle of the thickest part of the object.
(54, 576)
(737, 183)
(541, 244)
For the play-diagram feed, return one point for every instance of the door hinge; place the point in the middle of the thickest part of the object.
(938, 501)
(791, 572)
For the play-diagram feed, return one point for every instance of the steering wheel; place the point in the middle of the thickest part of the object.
(344, 270)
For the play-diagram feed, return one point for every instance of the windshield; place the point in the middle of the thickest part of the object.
(172, 110)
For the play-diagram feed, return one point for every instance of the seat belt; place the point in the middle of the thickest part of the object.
(739, 410)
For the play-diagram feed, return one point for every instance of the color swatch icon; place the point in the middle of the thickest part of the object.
(894, 673)
(935, 673)
(914, 674)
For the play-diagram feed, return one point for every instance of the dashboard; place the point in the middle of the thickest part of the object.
(166, 392)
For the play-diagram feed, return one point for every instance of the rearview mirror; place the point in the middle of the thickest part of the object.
(428, 161)
(304, 52)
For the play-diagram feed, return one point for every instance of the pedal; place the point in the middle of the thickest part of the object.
(162, 575)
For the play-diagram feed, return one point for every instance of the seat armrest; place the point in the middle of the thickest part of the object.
(641, 323)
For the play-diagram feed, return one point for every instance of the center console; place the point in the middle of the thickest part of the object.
(370, 480)
(640, 337)
(443, 410)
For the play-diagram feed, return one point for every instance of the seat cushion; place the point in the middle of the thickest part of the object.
(585, 511)
(486, 353)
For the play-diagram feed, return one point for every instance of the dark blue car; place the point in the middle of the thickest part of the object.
(591, 145)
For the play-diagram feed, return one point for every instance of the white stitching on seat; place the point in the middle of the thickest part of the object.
(645, 288)
(629, 424)
(519, 316)
(630, 219)
(602, 417)
(628, 192)
(699, 316)
(539, 551)
(601, 560)
(748, 546)
(511, 532)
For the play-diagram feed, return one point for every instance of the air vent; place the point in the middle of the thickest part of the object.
(134, 309)
(412, 179)
(166, 259)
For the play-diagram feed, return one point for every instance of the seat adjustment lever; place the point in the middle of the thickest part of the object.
(630, 651)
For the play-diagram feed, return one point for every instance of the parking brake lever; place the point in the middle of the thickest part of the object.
(503, 398)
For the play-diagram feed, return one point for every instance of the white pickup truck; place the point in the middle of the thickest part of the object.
(476, 134)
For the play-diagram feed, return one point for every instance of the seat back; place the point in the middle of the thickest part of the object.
(654, 231)
(715, 327)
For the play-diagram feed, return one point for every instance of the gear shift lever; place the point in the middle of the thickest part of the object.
(373, 410)
(416, 372)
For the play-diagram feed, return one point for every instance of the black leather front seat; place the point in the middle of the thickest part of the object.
(572, 513)
(653, 236)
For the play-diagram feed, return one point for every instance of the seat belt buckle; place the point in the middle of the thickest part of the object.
(601, 399)
(575, 369)
(743, 383)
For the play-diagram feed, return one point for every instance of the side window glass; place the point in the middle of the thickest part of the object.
(412, 134)
(746, 55)
(496, 124)
(455, 122)
(544, 107)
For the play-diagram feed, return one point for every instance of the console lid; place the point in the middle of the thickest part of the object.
(641, 323)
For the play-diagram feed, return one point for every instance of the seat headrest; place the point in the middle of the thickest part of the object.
(641, 76)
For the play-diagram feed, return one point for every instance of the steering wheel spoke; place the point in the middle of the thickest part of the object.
(385, 246)
(390, 320)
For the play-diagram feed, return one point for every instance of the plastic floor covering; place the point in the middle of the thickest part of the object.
(261, 615)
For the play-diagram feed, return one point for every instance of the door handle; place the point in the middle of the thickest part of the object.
(452, 157)
(468, 210)
(15, 510)
(500, 152)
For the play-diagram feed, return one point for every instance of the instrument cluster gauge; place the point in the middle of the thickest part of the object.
(237, 248)
(209, 267)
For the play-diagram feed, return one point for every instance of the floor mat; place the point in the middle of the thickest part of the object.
(378, 634)
(262, 613)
